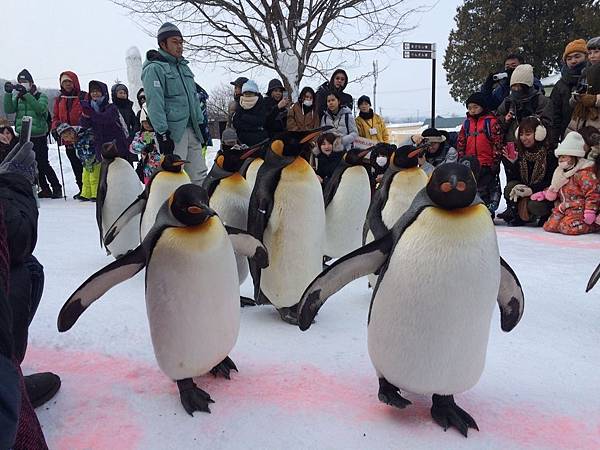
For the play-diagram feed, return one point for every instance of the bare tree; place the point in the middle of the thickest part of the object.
(296, 38)
(218, 102)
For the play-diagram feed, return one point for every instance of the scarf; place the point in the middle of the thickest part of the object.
(96, 104)
(538, 158)
(561, 177)
(248, 102)
(571, 75)
(367, 115)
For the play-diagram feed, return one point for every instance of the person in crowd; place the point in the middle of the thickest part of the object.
(575, 188)
(524, 101)
(337, 83)
(369, 124)
(593, 48)
(481, 136)
(67, 109)
(528, 170)
(172, 102)
(328, 154)
(119, 95)
(302, 116)
(379, 161)
(104, 120)
(250, 116)
(495, 91)
(435, 149)
(8, 138)
(341, 119)
(586, 111)
(202, 97)
(574, 61)
(237, 84)
(25, 100)
(141, 99)
(277, 104)
(82, 140)
(143, 145)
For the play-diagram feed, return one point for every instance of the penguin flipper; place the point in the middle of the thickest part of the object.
(137, 207)
(245, 244)
(101, 196)
(98, 284)
(593, 279)
(360, 262)
(510, 297)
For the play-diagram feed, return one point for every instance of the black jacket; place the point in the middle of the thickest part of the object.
(513, 172)
(276, 120)
(326, 164)
(125, 107)
(326, 88)
(250, 123)
(561, 110)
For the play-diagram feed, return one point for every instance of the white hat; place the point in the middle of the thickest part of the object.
(572, 145)
(523, 74)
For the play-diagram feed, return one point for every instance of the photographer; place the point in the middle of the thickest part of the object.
(496, 86)
(277, 105)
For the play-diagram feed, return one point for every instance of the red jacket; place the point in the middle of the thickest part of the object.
(483, 140)
(67, 107)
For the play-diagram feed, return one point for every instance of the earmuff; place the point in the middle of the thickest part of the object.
(540, 131)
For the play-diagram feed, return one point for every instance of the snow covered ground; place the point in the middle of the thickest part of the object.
(540, 388)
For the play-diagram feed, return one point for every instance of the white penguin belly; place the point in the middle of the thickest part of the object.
(122, 188)
(192, 299)
(430, 319)
(230, 200)
(345, 214)
(163, 185)
(252, 171)
(294, 235)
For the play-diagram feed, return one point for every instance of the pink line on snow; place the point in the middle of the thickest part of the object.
(552, 239)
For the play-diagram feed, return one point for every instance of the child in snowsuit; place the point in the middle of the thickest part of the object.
(83, 141)
(575, 188)
(326, 156)
(481, 136)
(143, 144)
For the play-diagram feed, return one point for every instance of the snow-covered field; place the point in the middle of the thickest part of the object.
(540, 388)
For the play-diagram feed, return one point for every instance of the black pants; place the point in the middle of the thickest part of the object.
(75, 165)
(488, 187)
(47, 176)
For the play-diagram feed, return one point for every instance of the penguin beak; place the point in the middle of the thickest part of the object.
(364, 153)
(180, 163)
(453, 181)
(415, 152)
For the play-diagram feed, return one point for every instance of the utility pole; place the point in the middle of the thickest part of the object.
(375, 75)
(433, 87)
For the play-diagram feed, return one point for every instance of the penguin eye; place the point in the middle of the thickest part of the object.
(461, 186)
(446, 187)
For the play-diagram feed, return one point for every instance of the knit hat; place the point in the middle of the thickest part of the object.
(523, 74)
(478, 98)
(572, 145)
(594, 43)
(362, 99)
(166, 31)
(4, 123)
(229, 137)
(24, 77)
(433, 135)
(274, 84)
(239, 81)
(250, 86)
(64, 77)
(65, 127)
(578, 45)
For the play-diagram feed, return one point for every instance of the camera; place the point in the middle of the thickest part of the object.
(500, 76)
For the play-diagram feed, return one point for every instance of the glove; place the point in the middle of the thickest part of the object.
(519, 191)
(587, 100)
(86, 108)
(538, 196)
(166, 146)
(589, 216)
(20, 89)
(8, 87)
(550, 195)
(21, 161)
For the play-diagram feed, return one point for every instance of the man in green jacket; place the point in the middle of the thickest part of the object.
(25, 100)
(172, 103)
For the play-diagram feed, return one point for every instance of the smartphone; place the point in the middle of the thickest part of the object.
(511, 151)
(25, 135)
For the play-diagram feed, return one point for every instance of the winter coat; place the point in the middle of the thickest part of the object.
(171, 98)
(487, 149)
(577, 123)
(495, 95)
(513, 171)
(106, 125)
(67, 107)
(326, 165)
(365, 124)
(535, 104)
(140, 104)
(250, 123)
(34, 105)
(144, 146)
(85, 149)
(6, 148)
(562, 110)
(343, 123)
(321, 95)
(125, 107)
(299, 119)
(276, 120)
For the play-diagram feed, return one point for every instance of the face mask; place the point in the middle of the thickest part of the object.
(307, 103)
(381, 161)
(248, 102)
(566, 165)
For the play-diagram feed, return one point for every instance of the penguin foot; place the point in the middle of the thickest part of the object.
(263, 299)
(192, 397)
(223, 368)
(446, 413)
(390, 395)
(246, 301)
(289, 314)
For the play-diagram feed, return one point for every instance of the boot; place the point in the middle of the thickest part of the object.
(510, 213)
(57, 192)
(41, 387)
(45, 193)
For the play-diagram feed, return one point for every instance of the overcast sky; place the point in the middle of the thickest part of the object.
(91, 38)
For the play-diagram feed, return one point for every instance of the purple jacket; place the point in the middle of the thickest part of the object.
(105, 123)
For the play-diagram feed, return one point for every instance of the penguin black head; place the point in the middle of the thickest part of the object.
(172, 163)
(406, 157)
(355, 157)
(230, 159)
(292, 143)
(189, 205)
(452, 186)
(109, 150)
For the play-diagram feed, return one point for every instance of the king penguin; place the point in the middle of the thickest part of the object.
(439, 276)
(229, 195)
(287, 214)
(347, 195)
(192, 290)
(254, 157)
(118, 187)
(160, 187)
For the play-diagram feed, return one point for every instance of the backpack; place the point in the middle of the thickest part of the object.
(487, 128)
